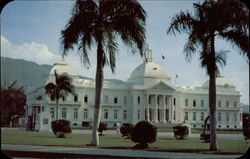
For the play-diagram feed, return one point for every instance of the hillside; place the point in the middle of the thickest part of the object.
(28, 74)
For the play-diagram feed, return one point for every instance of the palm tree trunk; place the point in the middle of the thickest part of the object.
(98, 95)
(212, 100)
(57, 109)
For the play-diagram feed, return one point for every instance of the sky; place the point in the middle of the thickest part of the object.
(30, 30)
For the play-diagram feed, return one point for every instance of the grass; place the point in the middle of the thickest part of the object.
(116, 142)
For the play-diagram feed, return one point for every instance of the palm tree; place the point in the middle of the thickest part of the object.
(61, 88)
(226, 19)
(99, 23)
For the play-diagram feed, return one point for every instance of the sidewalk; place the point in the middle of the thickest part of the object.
(70, 152)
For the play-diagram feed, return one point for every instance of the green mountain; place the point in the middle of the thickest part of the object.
(27, 74)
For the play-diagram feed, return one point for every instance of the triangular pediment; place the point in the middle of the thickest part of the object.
(162, 86)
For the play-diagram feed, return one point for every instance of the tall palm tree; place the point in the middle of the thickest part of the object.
(99, 23)
(226, 19)
(61, 88)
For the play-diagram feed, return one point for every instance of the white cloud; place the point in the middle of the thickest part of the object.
(38, 53)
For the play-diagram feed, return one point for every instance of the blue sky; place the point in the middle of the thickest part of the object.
(30, 30)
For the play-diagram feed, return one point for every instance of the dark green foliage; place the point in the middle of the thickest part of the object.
(180, 131)
(13, 101)
(246, 125)
(126, 129)
(143, 133)
(102, 126)
(61, 127)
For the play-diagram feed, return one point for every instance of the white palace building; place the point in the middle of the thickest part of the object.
(147, 95)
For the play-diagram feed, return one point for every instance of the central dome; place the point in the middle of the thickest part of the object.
(148, 69)
(149, 73)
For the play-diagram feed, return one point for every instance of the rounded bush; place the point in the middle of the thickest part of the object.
(60, 127)
(180, 131)
(102, 126)
(143, 133)
(126, 129)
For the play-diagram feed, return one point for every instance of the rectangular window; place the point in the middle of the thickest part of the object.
(186, 116)
(115, 100)
(227, 104)
(106, 99)
(52, 98)
(63, 98)
(106, 115)
(219, 116)
(186, 102)
(138, 99)
(138, 114)
(85, 114)
(202, 103)
(194, 103)
(202, 116)
(85, 99)
(64, 113)
(235, 104)
(115, 114)
(52, 112)
(194, 116)
(45, 121)
(235, 117)
(219, 103)
(124, 114)
(174, 115)
(227, 117)
(42, 108)
(75, 113)
(174, 101)
(125, 100)
(75, 98)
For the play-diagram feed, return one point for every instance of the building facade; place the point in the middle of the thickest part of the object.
(147, 95)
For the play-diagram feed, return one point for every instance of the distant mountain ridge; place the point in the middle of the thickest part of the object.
(27, 73)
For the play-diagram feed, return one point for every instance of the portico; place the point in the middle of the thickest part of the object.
(159, 104)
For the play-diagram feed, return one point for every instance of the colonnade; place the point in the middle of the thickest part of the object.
(159, 108)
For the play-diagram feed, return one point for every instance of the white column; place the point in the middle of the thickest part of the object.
(164, 109)
(156, 109)
(147, 109)
(170, 108)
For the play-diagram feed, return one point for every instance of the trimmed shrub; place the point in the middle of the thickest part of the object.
(180, 131)
(61, 127)
(102, 126)
(126, 129)
(143, 133)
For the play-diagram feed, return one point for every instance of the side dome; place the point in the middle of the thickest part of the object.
(220, 81)
(63, 68)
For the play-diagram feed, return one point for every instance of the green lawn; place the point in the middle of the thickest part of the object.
(116, 142)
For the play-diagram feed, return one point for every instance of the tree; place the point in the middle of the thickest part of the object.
(99, 24)
(61, 88)
(13, 101)
(226, 19)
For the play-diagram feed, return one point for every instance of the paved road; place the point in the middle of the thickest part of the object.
(53, 151)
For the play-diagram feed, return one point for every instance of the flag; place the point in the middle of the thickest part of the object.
(163, 57)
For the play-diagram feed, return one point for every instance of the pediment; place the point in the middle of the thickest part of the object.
(162, 86)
